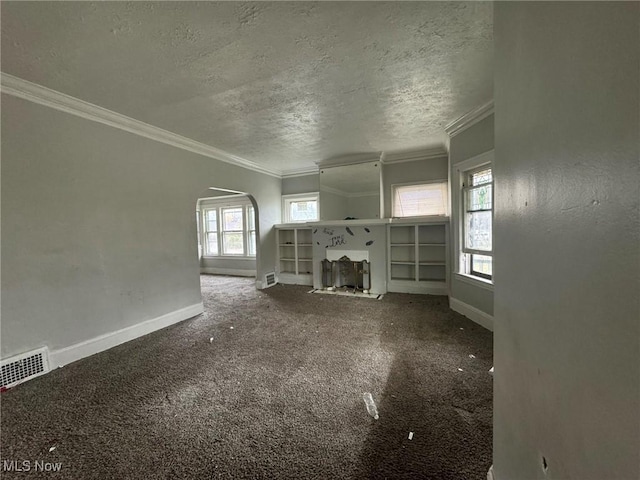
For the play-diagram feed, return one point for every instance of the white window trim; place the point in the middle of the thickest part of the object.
(218, 203)
(203, 221)
(461, 169)
(242, 231)
(409, 184)
(288, 199)
(249, 211)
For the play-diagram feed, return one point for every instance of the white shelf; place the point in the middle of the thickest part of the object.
(417, 261)
(294, 263)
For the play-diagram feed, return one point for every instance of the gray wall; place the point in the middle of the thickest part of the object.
(301, 184)
(410, 172)
(567, 330)
(98, 226)
(467, 144)
(365, 207)
(333, 206)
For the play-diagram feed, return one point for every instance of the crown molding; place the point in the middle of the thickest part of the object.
(35, 93)
(468, 119)
(300, 172)
(414, 155)
(350, 159)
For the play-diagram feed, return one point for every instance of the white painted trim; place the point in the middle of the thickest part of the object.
(418, 288)
(470, 118)
(347, 223)
(472, 313)
(479, 160)
(224, 200)
(287, 199)
(64, 356)
(236, 272)
(224, 197)
(35, 93)
(295, 279)
(476, 282)
(300, 172)
(490, 474)
(485, 158)
(350, 159)
(414, 155)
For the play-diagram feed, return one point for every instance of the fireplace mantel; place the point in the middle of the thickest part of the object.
(346, 223)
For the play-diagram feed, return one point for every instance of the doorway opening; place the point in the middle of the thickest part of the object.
(227, 232)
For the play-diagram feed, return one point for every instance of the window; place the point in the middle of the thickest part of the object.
(227, 228)
(476, 256)
(199, 233)
(419, 199)
(232, 231)
(300, 208)
(251, 231)
(211, 231)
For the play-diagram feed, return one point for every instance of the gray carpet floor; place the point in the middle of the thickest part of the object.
(268, 385)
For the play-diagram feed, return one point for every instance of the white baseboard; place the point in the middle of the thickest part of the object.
(64, 356)
(293, 279)
(472, 313)
(237, 272)
(490, 474)
(419, 288)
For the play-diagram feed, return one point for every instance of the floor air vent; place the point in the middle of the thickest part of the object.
(270, 278)
(24, 367)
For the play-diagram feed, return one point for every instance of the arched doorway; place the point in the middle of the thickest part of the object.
(228, 232)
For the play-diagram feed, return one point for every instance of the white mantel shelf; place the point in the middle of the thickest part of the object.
(346, 223)
(366, 221)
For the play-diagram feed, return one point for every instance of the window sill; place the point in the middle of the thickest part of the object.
(228, 257)
(471, 280)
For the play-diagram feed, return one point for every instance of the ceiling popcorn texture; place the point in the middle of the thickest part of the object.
(282, 84)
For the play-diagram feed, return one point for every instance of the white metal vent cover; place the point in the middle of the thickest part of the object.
(270, 279)
(24, 367)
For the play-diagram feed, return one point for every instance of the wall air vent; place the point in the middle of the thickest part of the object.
(23, 367)
(270, 279)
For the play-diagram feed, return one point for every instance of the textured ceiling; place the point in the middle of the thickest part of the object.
(283, 84)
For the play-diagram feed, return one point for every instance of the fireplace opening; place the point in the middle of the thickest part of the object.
(348, 274)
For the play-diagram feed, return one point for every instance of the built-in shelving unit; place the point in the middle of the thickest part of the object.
(417, 257)
(295, 255)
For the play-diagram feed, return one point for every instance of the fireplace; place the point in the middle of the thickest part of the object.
(346, 273)
(346, 253)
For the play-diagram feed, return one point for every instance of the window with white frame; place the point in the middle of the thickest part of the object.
(300, 208)
(232, 231)
(420, 199)
(210, 231)
(251, 231)
(476, 252)
(229, 230)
